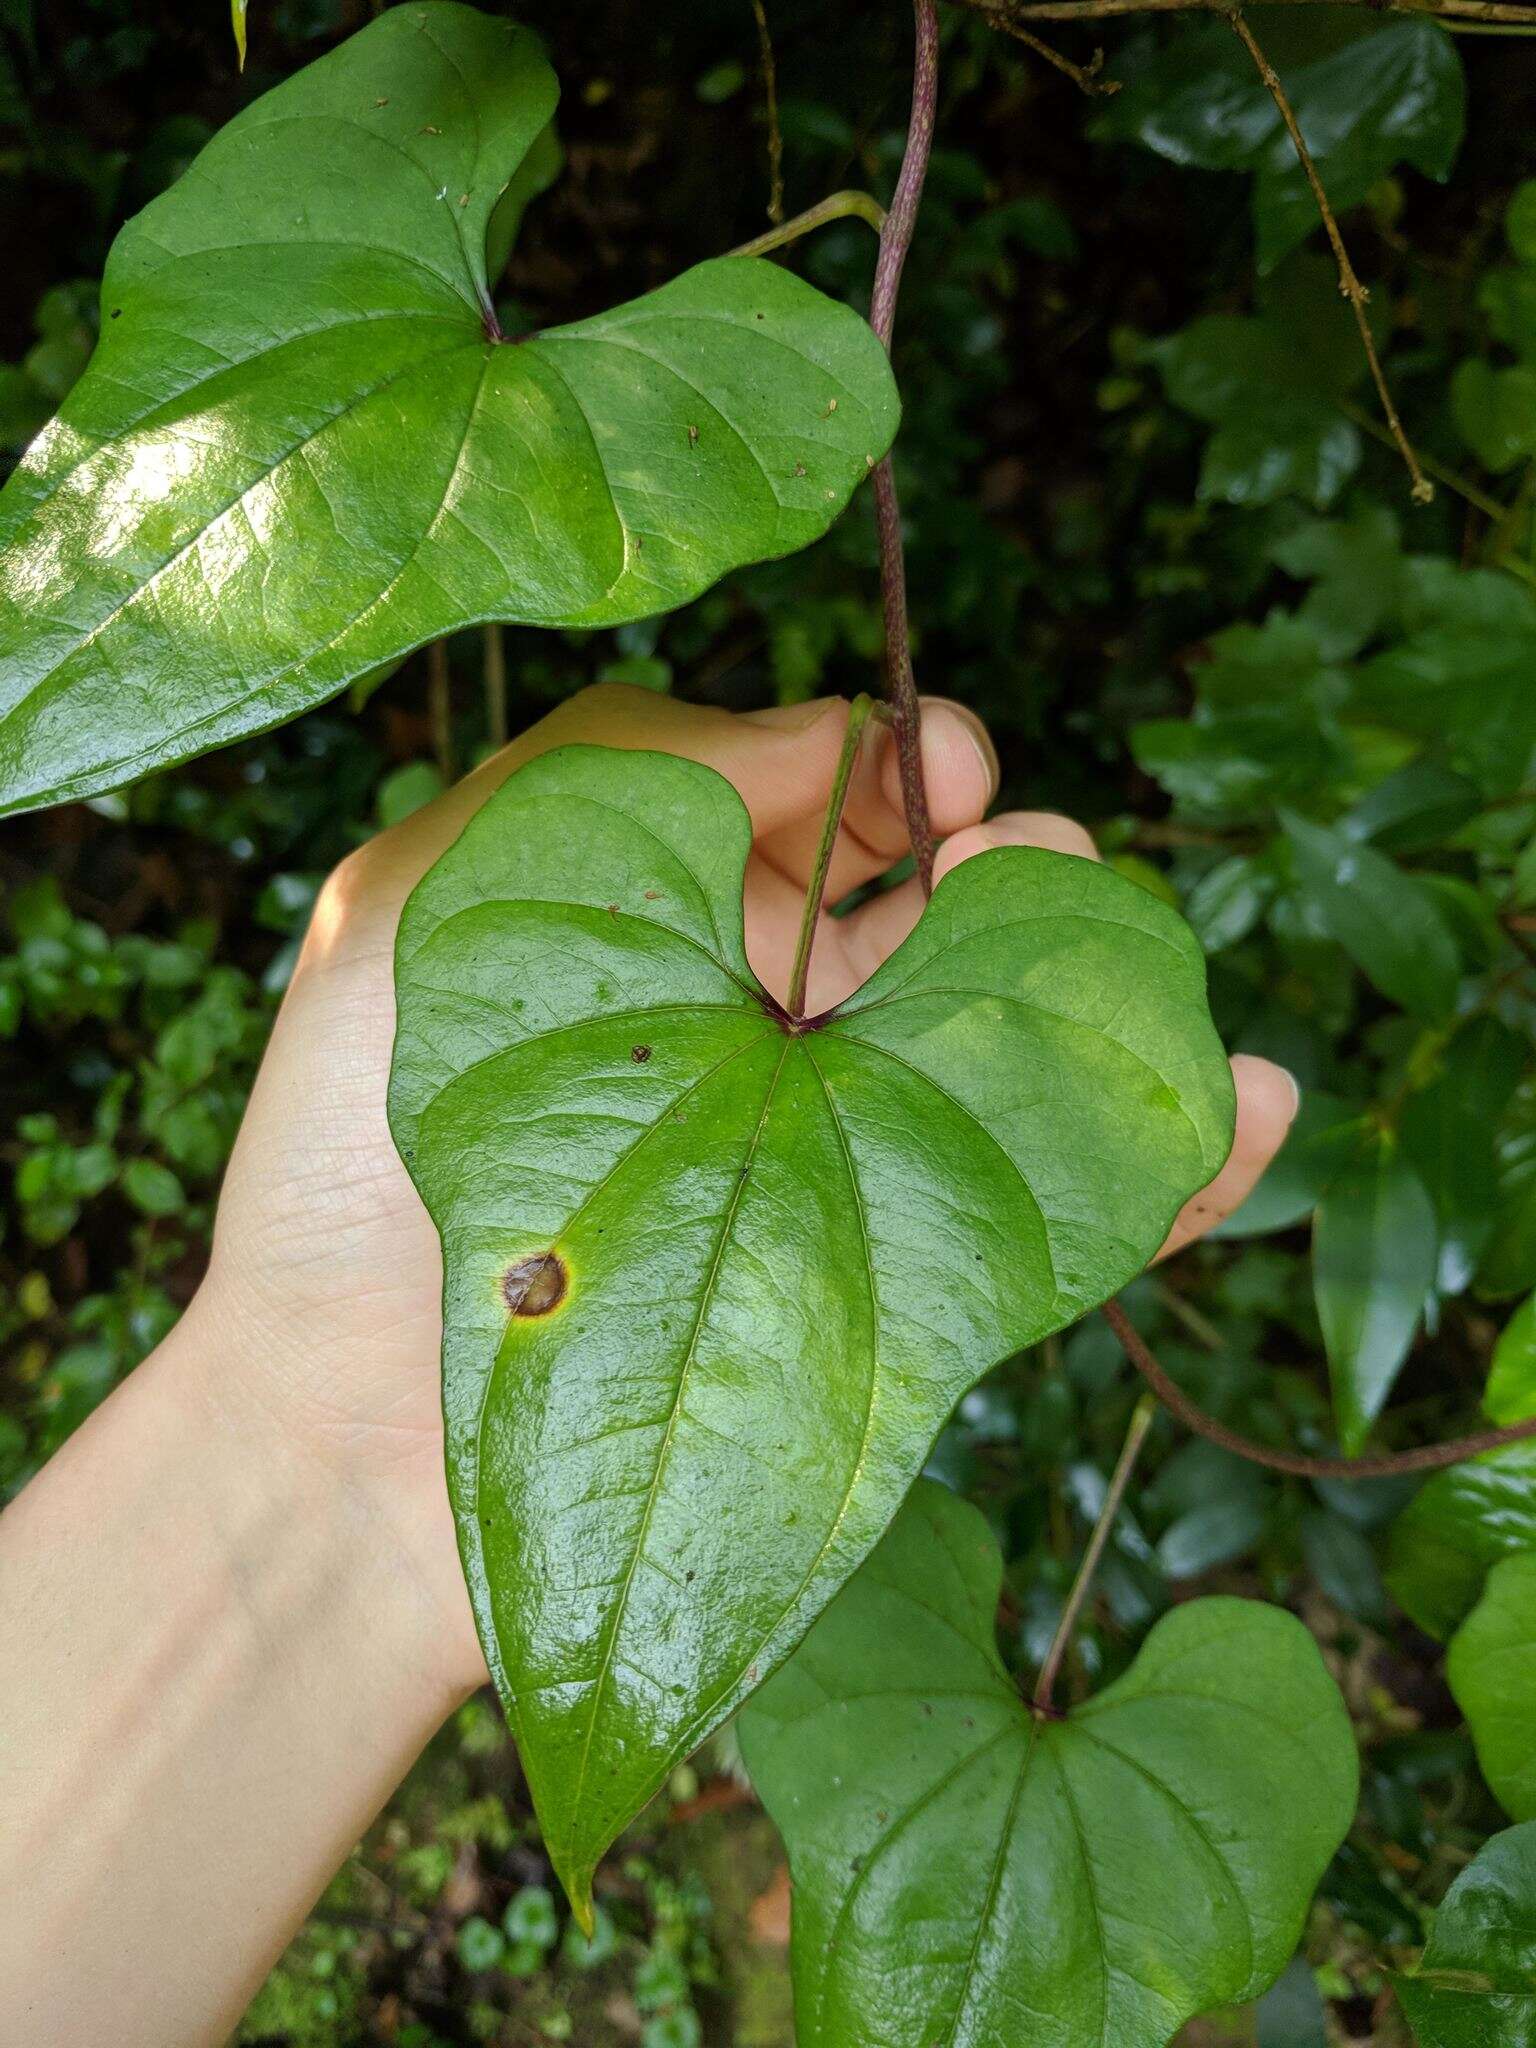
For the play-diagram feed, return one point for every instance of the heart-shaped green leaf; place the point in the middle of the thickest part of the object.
(971, 1873)
(770, 1260)
(1492, 1669)
(300, 450)
(1475, 1986)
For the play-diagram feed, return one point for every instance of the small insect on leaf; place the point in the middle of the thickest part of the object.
(693, 437)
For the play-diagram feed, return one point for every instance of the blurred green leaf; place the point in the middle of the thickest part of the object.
(1373, 1263)
(1290, 2014)
(1382, 918)
(1461, 1522)
(1367, 98)
(1491, 1665)
(1278, 429)
(1510, 1395)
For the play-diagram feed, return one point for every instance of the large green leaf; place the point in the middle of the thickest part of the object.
(1492, 1669)
(785, 1255)
(299, 451)
(1475, 1986)
(967, 1872)
(1461, 1522)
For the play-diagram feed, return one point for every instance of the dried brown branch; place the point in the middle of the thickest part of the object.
(1429, 1458)
(1349, 283)
(1085, 76)
(770, 72)
(1493, 13)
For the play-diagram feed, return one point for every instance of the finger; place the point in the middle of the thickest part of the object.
(960, 776)
(781, 767)
(1267, 1101)
(878, 927)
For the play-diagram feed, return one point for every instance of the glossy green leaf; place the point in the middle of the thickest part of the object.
(1491, 1666)
(786, 1256)
(1475, 1986)
(1510, 1395)
(1461, 1522)
(1382, 918)
(298, 452)
(1374, 1243)
(968, 1873)
(1367, 98)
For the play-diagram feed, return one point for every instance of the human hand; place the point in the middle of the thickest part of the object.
(322, 1299)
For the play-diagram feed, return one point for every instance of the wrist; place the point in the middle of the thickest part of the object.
(302, 1525)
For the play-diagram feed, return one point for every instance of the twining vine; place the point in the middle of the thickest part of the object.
(896, 231)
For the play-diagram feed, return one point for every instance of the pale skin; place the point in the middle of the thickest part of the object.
(232, 1605)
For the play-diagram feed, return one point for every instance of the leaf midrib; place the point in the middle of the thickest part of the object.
(706, 1294)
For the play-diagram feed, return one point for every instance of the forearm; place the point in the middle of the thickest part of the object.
(217, 1667)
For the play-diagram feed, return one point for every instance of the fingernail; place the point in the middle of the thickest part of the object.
(976, 732)
(1295, 1090)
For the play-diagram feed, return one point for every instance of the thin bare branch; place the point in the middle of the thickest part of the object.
(1349, 283)
(1495, 13)
(1135, 1437)
(1428, 1458)
(1086, 77)
(770, 72)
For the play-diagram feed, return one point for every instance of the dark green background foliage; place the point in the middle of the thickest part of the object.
(1156, 539)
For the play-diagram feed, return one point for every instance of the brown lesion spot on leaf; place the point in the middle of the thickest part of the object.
(639, 1054)
(535, 1285)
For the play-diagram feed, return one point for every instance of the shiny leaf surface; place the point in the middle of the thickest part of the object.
(771, 1262)
(1475, 1986)
(1492, 1669)
(1374, 1244)
(300, 369)
(968, 1873)
(1459, 1524)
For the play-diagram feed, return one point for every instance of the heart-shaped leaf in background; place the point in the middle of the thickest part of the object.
(302, 448)
(1475, 1986)
(750, 1269)
(1492, 1669)
(969, 1872)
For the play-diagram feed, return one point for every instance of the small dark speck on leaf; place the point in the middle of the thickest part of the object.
(116, 313)
(535, 1285)
(613, 910)
(762, 316)
(689, 1577)
(639, 1054)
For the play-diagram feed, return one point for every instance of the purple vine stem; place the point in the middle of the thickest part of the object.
(895, 240)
